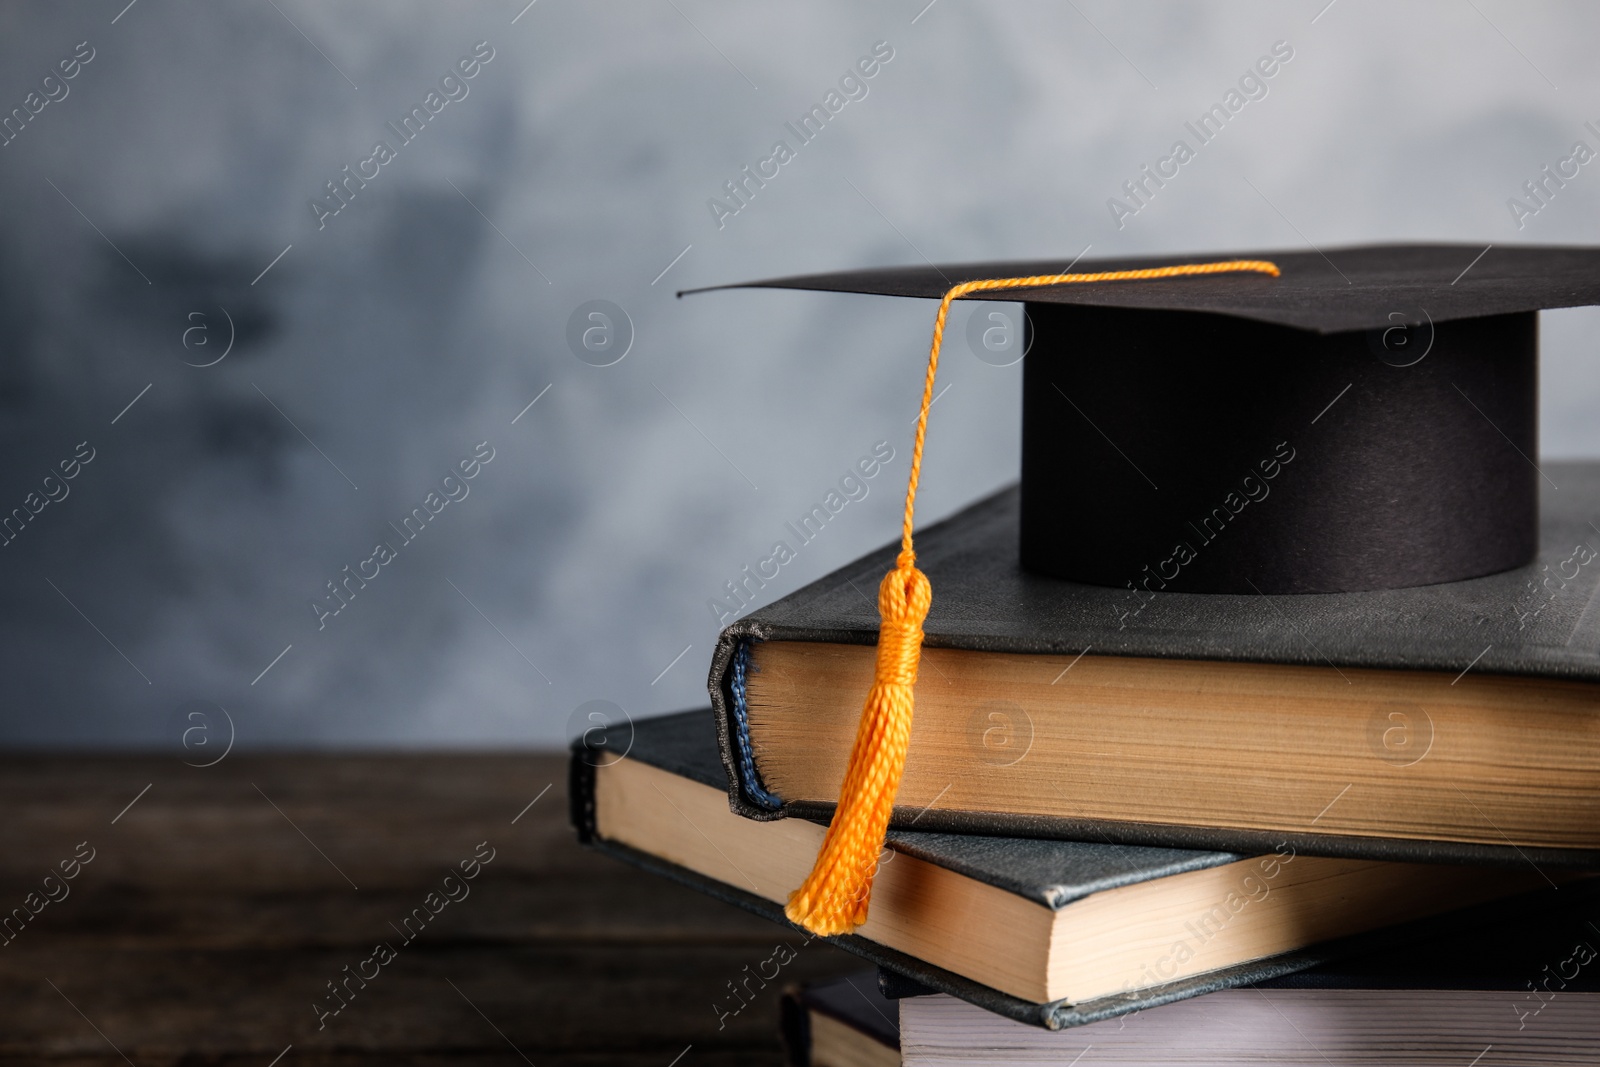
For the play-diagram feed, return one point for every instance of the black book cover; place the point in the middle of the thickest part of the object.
(1050, 872)
(1541, 621)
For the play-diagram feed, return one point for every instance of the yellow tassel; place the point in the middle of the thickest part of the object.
(834, 897)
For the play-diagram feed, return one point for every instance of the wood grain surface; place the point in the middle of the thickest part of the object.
(219, 906)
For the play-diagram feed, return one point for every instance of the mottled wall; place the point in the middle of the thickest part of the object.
(419, 320)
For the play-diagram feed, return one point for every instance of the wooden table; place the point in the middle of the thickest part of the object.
(220, 904)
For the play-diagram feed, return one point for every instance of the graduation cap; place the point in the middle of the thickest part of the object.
(1250, 423)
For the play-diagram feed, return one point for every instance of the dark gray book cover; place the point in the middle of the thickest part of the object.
(1542, 621)
(856, 1000)
(1052, 873)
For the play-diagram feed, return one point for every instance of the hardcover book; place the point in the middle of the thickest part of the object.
(1453, 722)
(847, 1022)
(1054, 933)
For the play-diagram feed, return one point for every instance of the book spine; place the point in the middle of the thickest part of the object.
(580, 794)
(729, 665)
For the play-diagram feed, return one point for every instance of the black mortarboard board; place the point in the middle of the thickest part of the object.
(1366, 420)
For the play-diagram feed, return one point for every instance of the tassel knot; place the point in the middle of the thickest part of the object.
(903, 601)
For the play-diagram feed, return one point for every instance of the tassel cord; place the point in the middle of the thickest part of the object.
(834, 898)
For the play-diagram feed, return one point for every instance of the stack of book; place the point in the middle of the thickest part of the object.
(1082, 836)
(1347, 819)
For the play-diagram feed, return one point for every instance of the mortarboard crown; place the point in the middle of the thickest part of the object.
(1384, 398)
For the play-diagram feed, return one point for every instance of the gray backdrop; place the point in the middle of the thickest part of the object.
(382, 344)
